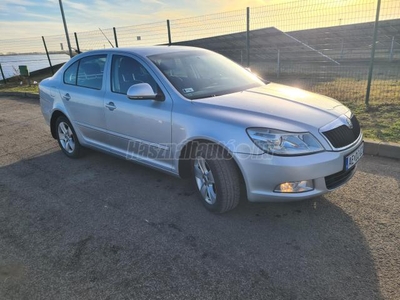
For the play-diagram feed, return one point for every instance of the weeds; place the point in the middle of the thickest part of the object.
(381, 119)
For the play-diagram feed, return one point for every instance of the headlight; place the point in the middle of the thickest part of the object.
(284, 143)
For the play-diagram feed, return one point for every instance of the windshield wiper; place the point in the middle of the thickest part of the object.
(265, 81)
(202, 97)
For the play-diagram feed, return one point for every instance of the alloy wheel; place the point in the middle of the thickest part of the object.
(205, 180)
(66, 137)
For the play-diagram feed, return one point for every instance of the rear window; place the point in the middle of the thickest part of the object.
(87, 72)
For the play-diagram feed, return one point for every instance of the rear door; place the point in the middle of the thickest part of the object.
(82, 93)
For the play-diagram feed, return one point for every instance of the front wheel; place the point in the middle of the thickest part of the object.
(216, 177)
(67, 138)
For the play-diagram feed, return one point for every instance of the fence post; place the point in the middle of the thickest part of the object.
(342, 50)
(278, 71)
(48, 56)
(391, 49)
(371, 64)
(65, 28)
(169, 32)
(115, 37)
(2, 74)
(248, 35)
(77, 43)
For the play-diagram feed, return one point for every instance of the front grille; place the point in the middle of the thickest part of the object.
(343, 136)
(335, 180)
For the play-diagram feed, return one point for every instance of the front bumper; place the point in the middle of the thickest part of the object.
(262, 173)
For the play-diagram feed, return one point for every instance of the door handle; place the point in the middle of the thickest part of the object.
(111, 106)
(66, 97)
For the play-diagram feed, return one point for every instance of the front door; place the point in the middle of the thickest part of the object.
(138, 129)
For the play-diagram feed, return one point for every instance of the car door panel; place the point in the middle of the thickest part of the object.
(139, 129)
(84, 102)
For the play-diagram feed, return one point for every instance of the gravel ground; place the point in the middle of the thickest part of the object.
(104, 228)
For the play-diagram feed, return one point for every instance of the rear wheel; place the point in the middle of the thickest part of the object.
(216, 177)
(67, 138)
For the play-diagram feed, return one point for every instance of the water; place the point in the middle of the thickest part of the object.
(10, 63)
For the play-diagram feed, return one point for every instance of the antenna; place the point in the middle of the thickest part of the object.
(106, 37)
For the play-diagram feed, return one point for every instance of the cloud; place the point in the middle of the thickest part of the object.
(19, 9)
(77, 6)
(152, 2)
(20, 2)
(27, 34)
(92, 14)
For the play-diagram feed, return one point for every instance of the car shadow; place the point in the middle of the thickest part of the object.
(102, 227)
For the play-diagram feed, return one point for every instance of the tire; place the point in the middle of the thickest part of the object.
(216, 178)
(67, 138)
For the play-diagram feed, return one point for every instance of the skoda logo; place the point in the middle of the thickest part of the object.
(348, 123)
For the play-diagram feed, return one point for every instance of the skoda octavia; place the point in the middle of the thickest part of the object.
(193, 113)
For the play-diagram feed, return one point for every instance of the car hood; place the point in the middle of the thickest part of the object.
(277, 102)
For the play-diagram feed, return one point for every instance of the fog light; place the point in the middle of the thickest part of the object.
(295, 187)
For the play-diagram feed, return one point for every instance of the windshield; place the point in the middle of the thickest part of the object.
(202, 74)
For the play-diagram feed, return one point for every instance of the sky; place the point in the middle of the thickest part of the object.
(27, 18)
(35, 18)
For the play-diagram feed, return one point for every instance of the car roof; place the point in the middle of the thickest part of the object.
(147, 50)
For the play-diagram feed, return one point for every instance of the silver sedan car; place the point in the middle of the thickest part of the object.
(193, 113)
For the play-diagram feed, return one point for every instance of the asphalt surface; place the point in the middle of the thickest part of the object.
(103, 228)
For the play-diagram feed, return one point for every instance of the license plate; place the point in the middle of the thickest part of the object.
(354, 157)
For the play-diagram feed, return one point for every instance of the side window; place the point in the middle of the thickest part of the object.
(70, 74)
(90, 71)
(125, 72)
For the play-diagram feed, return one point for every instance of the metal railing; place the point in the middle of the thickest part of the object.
(316, 46)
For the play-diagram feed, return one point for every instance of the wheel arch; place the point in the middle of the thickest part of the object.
(56, 114)
(187, 152)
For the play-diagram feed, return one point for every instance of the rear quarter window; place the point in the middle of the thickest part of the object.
(70, 74)
(87, 72)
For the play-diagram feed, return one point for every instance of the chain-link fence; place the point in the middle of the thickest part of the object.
(323, 46)
(326, 47)
(143, 35)
(208, 26)
(31, 52)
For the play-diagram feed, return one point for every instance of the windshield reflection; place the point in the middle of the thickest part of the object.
(203, 74)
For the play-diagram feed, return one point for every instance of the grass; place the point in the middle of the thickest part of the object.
(380, 121)
(14, 84)
(20, 88)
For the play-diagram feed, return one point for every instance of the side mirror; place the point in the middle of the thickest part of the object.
(143, 91)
